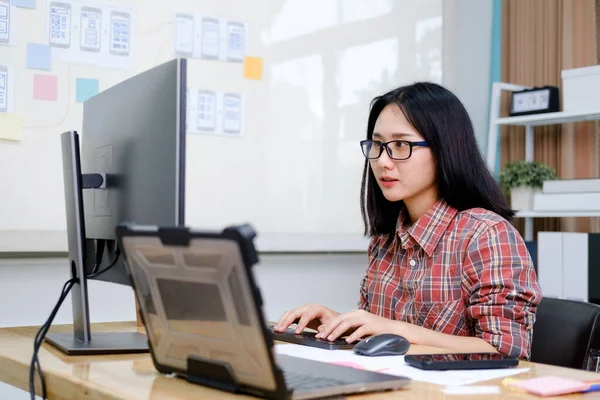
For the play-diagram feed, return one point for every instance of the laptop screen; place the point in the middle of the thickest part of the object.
(197, 300)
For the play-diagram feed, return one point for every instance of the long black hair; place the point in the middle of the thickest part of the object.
(463, 178)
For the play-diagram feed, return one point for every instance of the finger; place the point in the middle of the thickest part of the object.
(307, 317)
(332, 323)
(341, 328)
(326, 328)
(281, 320)
(288, 318)
(358, 334)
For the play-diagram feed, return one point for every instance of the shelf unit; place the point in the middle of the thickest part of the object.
(529, 121)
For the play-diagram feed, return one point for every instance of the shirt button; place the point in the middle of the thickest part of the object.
(412, 263)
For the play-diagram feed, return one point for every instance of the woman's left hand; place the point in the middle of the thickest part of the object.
(361, 322)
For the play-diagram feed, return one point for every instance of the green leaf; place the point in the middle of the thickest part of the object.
(525, 174)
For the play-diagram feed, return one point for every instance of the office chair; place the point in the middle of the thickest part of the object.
(564, 332)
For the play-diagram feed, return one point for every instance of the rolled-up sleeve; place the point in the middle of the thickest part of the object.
(503, 289)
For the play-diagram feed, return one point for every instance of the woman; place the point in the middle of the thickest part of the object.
(446, 268)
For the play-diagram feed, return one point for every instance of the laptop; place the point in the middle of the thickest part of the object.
(202, 310)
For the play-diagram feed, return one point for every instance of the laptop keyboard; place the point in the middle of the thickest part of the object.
(305, 383)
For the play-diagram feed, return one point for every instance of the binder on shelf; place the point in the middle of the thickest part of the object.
(575, 266)
(549, 257)
(569, 265)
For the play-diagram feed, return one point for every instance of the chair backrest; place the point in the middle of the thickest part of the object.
(564, 332)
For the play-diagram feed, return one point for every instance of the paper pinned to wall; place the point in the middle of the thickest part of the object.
(208, 38)
(253, 68)
(92, 33)
(86, 88)
(24, 3)
(45, 87)
(39, 56)
(7, 91)
(215, 112)
(7, 23)
(11, 127)
(395, 365)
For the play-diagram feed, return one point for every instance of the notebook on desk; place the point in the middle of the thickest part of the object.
(202, 311)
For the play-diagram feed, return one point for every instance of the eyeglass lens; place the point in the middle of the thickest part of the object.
(399, 148)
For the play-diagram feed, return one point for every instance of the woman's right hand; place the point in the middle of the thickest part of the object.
(308, 316)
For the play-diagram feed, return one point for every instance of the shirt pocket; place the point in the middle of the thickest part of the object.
(446, 317)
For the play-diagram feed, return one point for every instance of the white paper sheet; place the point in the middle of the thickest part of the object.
(7, 23)
(7, 90)
(208, 38)
(215, 112)
(395, 365)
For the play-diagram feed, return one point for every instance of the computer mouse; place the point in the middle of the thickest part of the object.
(386, 344)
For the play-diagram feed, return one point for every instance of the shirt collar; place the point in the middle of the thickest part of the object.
(428, 230)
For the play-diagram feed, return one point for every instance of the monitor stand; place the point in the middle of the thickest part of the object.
(81, 341)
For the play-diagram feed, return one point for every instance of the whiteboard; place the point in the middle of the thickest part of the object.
(293, 170)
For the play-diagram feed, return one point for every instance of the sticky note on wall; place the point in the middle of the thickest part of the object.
(253, 68)
(86, 88)
(23, 3)
(45, 87)
(11, 127)
(39, 56)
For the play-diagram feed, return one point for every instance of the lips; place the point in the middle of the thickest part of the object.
(388, 181)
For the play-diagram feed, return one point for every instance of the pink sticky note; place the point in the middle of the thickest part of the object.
(550, 385)
(45, 87)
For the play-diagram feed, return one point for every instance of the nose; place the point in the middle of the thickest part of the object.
(384, 160)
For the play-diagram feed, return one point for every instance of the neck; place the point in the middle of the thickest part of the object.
(418, 205)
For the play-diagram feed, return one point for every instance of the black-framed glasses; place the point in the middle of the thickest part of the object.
(396, 149)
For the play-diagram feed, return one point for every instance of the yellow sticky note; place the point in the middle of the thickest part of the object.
(253, 67)
(11, 127)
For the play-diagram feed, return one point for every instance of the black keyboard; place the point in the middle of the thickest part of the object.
(308, 339)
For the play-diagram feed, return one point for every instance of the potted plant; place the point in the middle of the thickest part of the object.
(522, 180)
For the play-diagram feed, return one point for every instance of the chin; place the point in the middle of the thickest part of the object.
(393, 195)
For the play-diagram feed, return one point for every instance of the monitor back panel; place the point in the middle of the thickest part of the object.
(135, 132)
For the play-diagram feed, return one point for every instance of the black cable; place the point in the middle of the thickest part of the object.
(112, 264)
(100, 244)
(39, 338)
(41, 333)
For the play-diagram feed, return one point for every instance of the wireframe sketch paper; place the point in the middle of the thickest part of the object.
(7, 92)
(395, 365)
(7, 23)
(93, 33)
(185, 38)
(209, 38)
(215, 112)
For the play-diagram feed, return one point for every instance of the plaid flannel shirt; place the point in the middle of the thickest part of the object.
(461, 273)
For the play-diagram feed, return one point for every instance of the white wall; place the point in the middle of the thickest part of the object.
(286, 281)
(466, 49)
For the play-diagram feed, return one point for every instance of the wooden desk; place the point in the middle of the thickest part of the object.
(133, 377)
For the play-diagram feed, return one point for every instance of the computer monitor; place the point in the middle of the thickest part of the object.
(130, 167)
